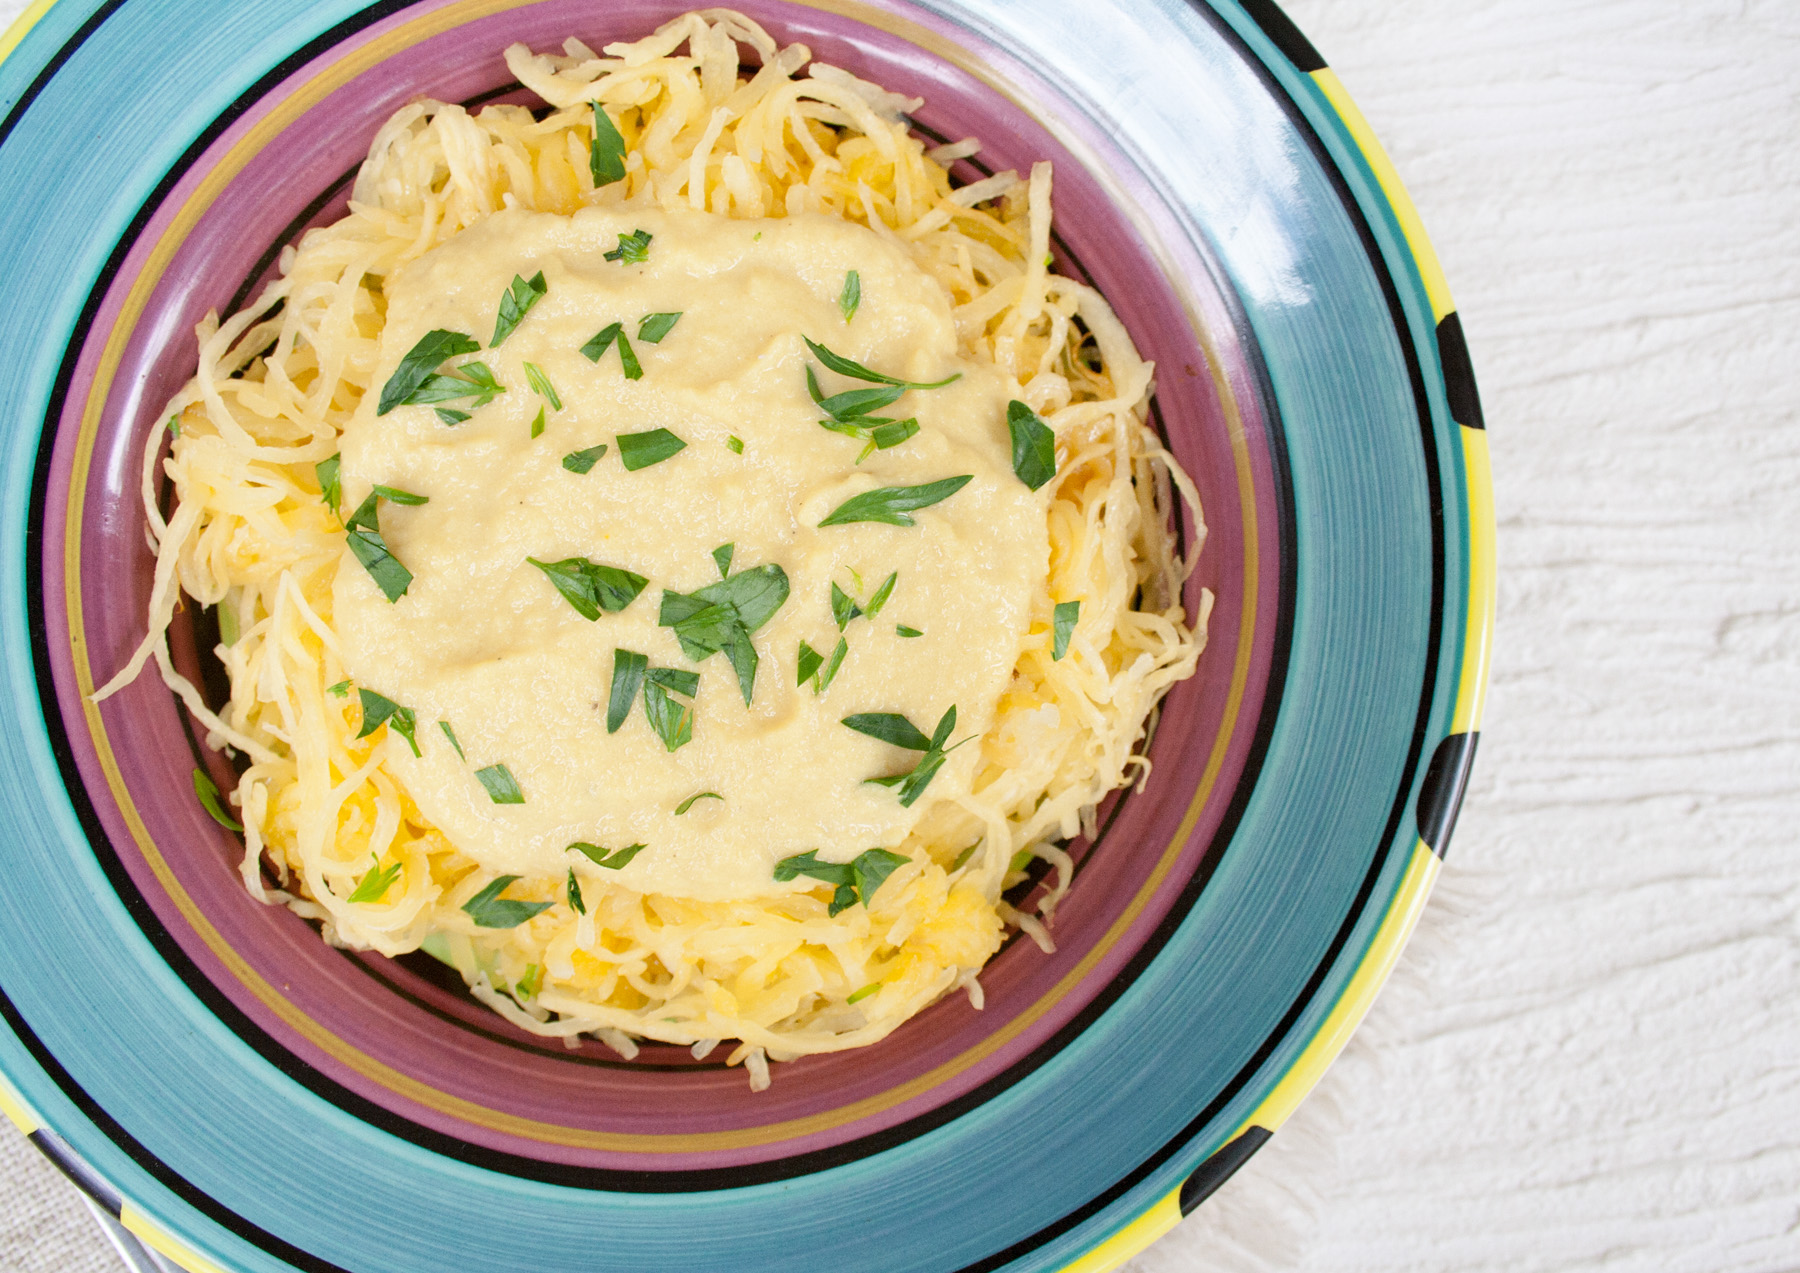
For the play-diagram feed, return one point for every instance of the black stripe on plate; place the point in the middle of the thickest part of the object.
(1284, 35)
(1459, 373)
(54, 65)
(1441, 794)
(1215, 1171)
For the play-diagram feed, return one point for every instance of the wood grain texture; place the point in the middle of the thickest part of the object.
(1589, 1059)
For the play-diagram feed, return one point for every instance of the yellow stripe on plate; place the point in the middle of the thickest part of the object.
(21, 25)
(1132, 1239)
(1351, 1006)
(1478, 635)
(14, 1108)
(1436, 286)
(164, 1245)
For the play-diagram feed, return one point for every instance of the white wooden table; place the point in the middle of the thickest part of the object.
(1591, 1053)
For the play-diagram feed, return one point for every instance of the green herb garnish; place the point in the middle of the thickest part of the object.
(340, 689)
(374, 883)
(864, 993)
(489, 910)
(633, 249)
(653, 327)
(1019, 862)
(515, 303)
(372, 551)
(540, 385)
(848, 413)
(530, 983)
(395, 495)
(582, 461)
(1063, 627)
(450, 416)
(882, 594)
(856, 880)
(671, 721)
(601, 341)
(606, 153)
(600, 857)
(736, 444)
(434, 348)
(641, 450)
(891, 504)
(379, 710)
(856, 371)
(901, 629)
(843, 607)
(451, 735)
(173, 424)
(831, 666)
(502, 787)
(722, 616)
(963, 857)
(722, 559)
(472, 380)
(809, 662)
(890, 727)
(228, 624)
(208, 793)
(331, 488)
(628, 675)
(576, 903)
(591, 587)
(1033, 445)
(537, 424)
(687, 804)
(848, 300)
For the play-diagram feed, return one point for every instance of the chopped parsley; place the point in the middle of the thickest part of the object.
(207, 792)
(395, 495)
(489, 910)
(331, 488)
(591, 587)
(856, 371)
(628, 675)
(1063, 627)
(722, 559)
(537, 423)
(891, 504)
(641, 450)
(850, 297)
(832, 665)
(671, 721)
(721, 617)
(864, 993)
(372, 551)
(736, 444)
(599, 856)
(472, 380)
(633, 249)
(340, 689)
(901, 629)
(856, 881)
(687, 804)
(451, 735)
(963, 857)
(882, 594)
(540, 385)
(228, 624)
(576, 903)
(374, 883)
(583, 461)
(606, 153)
(173, 424)
(515, 303)
(502, 787)
(890, 727)
(451, 416)
(653, 327)
(416, 379)
(530, 983)
(843, 607)
(1033, 445)
(809, 662)
(848, 413)
(379, 710)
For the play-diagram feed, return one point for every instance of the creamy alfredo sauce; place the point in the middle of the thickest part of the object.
(483, 640)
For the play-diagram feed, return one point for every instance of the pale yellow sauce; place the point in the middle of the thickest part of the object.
(483, 640)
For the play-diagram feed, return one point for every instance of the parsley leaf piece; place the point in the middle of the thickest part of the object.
(889, 727)
(653, 327)
(882, 594)
(890, 435)
(843, 609)
(591, 587)
(672, 722)
(854, 880)
(891, 504)
(641, 450)
(540, 385)
(850, 298)
(450, 417)
(831, 668)
(628, 360)
(489, 910)
(852, 403)
(502, 787)
(367, 545)
(530, 983)
(1033, 445)
(807, 664)
(721, 617)
(576, 902)
(379, 710)
(173, 424)
(722, 559)
(340, 689)
(901, 629)
(451, 735)
(583, 461)
(808, 864)
(228, 624)
(601, 341)
(633, 249)
(606, 153)
(208, 793)
(537, 423)
(331, 487)
(374, 883)
(963, 857)
(856, 371)
(434, 348)
(599, 856)
(1020, 861)
(870, 870)
(687, 804)
(628, 675)
(736, 444)
(1067, 614)
(515, 303)
(680, 680)
(867, 990)
(395, 495)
